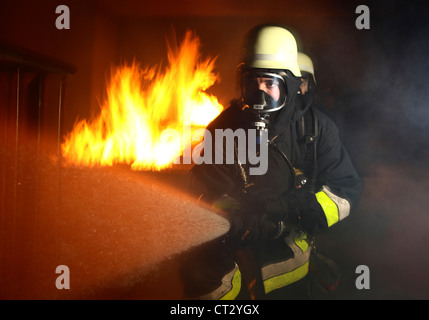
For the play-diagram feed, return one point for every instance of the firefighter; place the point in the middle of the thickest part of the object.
(310, 184)
(308, 79)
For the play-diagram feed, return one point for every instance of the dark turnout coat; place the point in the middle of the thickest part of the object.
(337, 185)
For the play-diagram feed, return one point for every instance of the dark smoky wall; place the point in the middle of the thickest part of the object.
(373, 83)
(89, 45)
(402, 66)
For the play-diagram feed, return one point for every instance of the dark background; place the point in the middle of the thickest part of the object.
(371, 82)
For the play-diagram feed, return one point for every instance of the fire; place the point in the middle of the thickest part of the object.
(144, 111)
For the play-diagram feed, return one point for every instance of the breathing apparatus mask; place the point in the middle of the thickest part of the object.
(264, 93)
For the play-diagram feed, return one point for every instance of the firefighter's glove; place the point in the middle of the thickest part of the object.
(299, 207)
(250, 228)
(304, 210)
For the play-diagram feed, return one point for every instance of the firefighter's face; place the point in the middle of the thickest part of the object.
(271, 86)
(304, 85)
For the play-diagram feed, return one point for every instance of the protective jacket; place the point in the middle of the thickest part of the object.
(336, 192)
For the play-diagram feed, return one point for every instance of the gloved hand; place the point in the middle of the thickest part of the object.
(246, 224)
(304, 210)
(298, 206)
(248, 227)
(261, 217)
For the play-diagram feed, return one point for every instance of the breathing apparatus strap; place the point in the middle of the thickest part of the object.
(308, 128)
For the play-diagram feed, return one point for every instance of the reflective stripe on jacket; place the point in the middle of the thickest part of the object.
(334, 207)
(280, 274)
(229, 289)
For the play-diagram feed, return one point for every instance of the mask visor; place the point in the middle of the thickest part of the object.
(263, 92)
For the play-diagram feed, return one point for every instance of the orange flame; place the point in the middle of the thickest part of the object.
(144, 112)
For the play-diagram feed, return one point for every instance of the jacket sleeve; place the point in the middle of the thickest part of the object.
(210, 179)
(339, 184)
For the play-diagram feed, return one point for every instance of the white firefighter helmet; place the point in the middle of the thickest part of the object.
(306, 64)
(272, 47)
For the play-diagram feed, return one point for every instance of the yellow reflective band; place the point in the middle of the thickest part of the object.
(301, 242)
(226, 202)
(329, 208)
(285, 279)
(236, 286)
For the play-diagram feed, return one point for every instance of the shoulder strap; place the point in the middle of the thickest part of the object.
(308, 129)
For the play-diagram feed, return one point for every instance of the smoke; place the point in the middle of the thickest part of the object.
(373, 83)
(397, 83)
